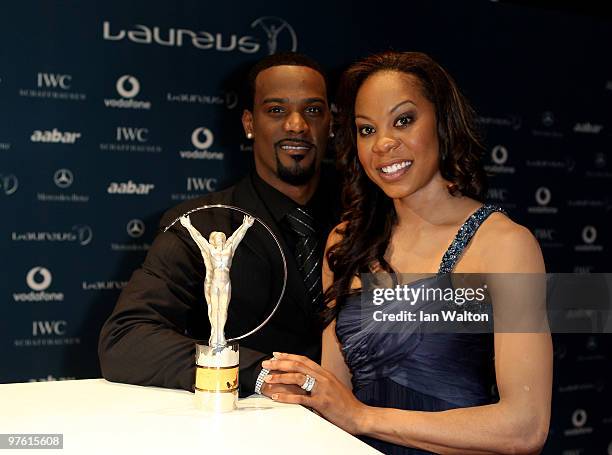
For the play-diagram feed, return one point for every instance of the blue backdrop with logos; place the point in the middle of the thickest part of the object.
(111, 112)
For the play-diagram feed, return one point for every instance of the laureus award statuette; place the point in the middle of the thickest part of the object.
(216, 381)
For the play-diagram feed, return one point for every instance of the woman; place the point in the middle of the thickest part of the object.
(413, 186)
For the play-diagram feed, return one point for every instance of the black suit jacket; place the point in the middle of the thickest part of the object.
(149, 337)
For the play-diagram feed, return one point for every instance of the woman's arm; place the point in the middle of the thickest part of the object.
(518, 423)
(331, 355)
(332, 359)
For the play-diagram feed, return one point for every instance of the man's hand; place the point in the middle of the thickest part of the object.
(268, 389)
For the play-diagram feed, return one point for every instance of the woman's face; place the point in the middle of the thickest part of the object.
(397, 140)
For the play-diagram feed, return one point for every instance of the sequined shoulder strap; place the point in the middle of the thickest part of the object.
(464, 235)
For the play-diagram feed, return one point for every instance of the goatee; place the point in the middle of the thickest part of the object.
(295, 174)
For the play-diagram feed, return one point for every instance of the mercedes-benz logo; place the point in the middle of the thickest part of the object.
(231, 100)
(63, 178)
(8, 184)
(33, 281)
(548, 118)
(208, 138)
(134, 86)
(600, 160)
(84, 234)
(135, 228)
(272, 27)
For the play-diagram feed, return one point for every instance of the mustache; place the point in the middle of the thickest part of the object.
(294, 141)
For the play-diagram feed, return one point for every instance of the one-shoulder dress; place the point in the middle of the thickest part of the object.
(418, 371)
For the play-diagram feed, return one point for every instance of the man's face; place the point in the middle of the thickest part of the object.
(290, 124)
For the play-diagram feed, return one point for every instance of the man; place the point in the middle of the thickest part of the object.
(149, 337)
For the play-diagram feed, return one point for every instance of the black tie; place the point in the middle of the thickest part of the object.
(307, 253)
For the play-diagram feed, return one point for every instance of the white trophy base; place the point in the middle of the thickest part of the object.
(216, 384)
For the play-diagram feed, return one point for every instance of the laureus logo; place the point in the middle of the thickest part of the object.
(84, 234)
(38, 278)
(173, 37)
(280, 35)
(8, 184)
(81, 234)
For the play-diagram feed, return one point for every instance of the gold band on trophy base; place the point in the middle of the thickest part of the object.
(216, 379)
(211, 379)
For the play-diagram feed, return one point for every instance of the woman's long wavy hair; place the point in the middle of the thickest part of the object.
(368, 214)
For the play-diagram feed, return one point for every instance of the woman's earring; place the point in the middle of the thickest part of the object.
(249, 135)
(331, 133)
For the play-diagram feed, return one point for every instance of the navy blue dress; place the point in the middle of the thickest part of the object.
(414, 370)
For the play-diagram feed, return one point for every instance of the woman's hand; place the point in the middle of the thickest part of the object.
(329, 397)
(268, 389)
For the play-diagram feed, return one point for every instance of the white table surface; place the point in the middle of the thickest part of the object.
(97, 416)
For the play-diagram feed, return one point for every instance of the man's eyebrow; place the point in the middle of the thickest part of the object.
(286, 100)
(315, 100)
(275, 100)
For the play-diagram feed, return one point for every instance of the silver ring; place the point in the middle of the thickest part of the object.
(308, 383)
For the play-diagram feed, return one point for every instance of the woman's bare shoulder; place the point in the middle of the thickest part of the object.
(507, 246)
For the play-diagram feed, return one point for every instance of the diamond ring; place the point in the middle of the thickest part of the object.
(308, 383)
